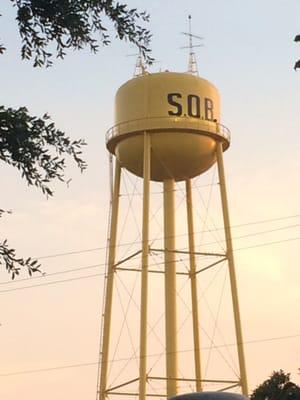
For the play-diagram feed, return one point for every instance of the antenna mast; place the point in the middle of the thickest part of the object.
(140, 65)
(192, 65)
(140, 68)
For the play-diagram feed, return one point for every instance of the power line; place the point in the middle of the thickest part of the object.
(68, 253)
(44, 275)
(184, 234)
(79, 365)
(268, 244)
(35, 371)
(52, 283)
(255, 234)
(102, 274)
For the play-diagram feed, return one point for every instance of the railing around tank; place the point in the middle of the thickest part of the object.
(173, 122)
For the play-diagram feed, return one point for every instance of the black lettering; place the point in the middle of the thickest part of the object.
(209, 109)
(172, 102)
(193, 103)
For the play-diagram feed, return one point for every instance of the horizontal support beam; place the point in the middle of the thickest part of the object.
(197, 253)
(134, 394)
(111, 391)
(149, 270)
(159, 378)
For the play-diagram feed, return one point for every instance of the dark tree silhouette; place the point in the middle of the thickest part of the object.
(29, 144)
(48, 28)
(277, 387)
(297, 63)
(37, 149)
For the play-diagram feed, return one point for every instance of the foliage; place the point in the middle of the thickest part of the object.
(37, 149)
(74, 24)
(13, 264)
(277, 387)
(297, 63)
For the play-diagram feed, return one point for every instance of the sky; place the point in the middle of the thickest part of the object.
(50, 325)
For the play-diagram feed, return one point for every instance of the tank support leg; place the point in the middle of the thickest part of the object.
(110, 283)
(234, 292)
(193, 277)
(170, 287)
(144, 273)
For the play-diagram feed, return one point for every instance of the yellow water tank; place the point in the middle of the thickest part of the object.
(181, 112)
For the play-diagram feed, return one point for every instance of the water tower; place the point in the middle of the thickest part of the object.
(167, 129)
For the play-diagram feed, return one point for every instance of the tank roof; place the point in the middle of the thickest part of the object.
(210, 396)
(186, 76)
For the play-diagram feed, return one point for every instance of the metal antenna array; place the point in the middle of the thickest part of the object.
(140, 66)
(192, 67)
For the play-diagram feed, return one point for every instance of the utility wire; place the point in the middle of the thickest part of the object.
(253, 234)
(52, 283)
(184, 234)
(102, 274)
(268, 244)
(45, 275)
(34, 371)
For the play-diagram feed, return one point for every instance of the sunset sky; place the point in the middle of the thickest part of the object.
(49, 332)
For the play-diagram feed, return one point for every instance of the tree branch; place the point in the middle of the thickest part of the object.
(13, 264)
(64, 24)
(36, 148)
